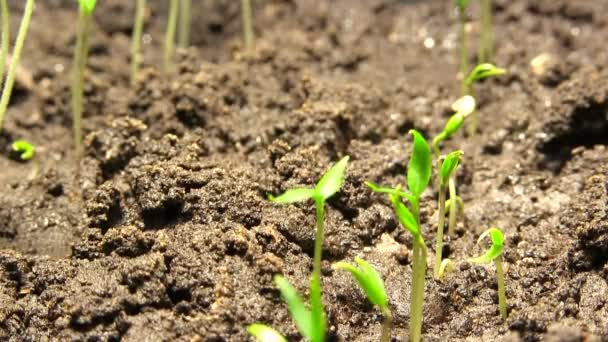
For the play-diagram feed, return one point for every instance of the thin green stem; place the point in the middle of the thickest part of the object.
(5, 38)
(170, 35)
(247, 23)
(502, 296)
(138, 27)
(415, 207)
(487, 36)
(81, 53)
(185, 19)
(454, 205)
(387, 325)
(10, 77)
(439, 242)
(316, 300)
(418, 281)
(464, 51)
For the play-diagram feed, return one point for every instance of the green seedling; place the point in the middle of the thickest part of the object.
(494, 253)
(371, 283)
(327, 186)
(5, 40)
(247, 17)
(447, 266)
(418, 178)
(138, 28)
(464, 41)
(81, 54)
(26, 149)
(170, 35)
(264, 333)
(185, 18)
(486, 46)
(12, 70)
(480, 72)
(448, 168)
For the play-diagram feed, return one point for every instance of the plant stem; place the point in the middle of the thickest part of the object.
(138, 27)
(418, 279)
(10, 77)
(387, 325)
(487, 36)
(247, 23)
(502, 296)
(316, 301)
(184, 23)
(5, 38)
(441, 222)
(170, 35)
(464, 51)
(454, 205)
(473, 117)
(80, 61)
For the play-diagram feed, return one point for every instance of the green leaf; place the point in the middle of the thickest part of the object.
(88, 6)
(292, 196)
(405, 216)
(369, 280)
(331, 181)
(264, 333)
(462, 4)
(420, 166)
(483, 71)
(449, 165)
(495, 250)
(299, 313)
(454, 123)
(395, 191)
(26, 149)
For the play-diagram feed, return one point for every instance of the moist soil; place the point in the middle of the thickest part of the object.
(162, 231)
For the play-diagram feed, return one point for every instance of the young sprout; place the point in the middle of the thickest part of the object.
(264, 333)
(495, 254)
(327, 186)
(371, 283)
(247, 16)
(447, 266)
(486, 47)
(10, 77)
(464, 41)
(170, 35)
(5, 41)
(480, 72)
(448, 167)
(185, 7)
(418, 177)
(26, 149)
(463, 107)
(138, 27)
(81, 53)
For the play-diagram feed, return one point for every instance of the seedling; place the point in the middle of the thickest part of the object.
(480, 72)
(170, 35)
(486, 46)
(448, 167)
(247, 16)
(418, 178)
(464, 41)
(371, 283)
(5, 40)
(138, 27)
(185, 18)
(21, 35)
(26, 150)
(264, 333)
(447, 266)
(327, 186)
(494, 253)
(81, 54)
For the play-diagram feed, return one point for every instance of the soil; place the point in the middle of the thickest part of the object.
(162, 231)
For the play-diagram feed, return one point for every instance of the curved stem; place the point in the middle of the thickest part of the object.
(138, 27)
(387, 325)
(454, 207)
(5, 38)
(170, 35)
(316, 300)
(502, 296)
(185, 19)
(10, 77)
(418, 280)
(441, 222)
(247, 23)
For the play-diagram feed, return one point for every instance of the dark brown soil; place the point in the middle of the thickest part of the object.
(163, 231)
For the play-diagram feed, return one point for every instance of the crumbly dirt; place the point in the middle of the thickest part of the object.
(163, 231)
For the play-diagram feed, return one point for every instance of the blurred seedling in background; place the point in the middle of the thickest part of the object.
(462, 5)
(8, 84)
(447, 266)
(446, 172)
(494, 253)
(81, 55)
(480, 72)
(170, 35)
(418, 177)
(138, 27)
(371, 283)
(185, 19)
(486, 45)
(247, 17)
(311, 324)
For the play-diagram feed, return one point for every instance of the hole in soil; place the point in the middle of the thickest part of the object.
(179, 295)
(162, 217)
(587, 127)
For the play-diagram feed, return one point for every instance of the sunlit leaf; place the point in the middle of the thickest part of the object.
(26, 149)
(405, 216)
(300, 314)
(483, 71)
(88, 6)
(420, 166)
(449, 165)
(331, 181)
(497, 238)
(292, 196)
(264, 333)
(395, 191)
(369, 280)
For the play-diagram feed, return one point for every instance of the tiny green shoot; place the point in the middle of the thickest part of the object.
(463, 107)
(138, 27)
(371, 283)
(447, 266)
(26, 149)
(494, 253)
(185, 19)
(170, 35)
(247, 17)
(448, 167)
(81, 53)
(327, 186)
(19, 42)
(480, 72)
(464, 41)
(486, 46)
(264, 333)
